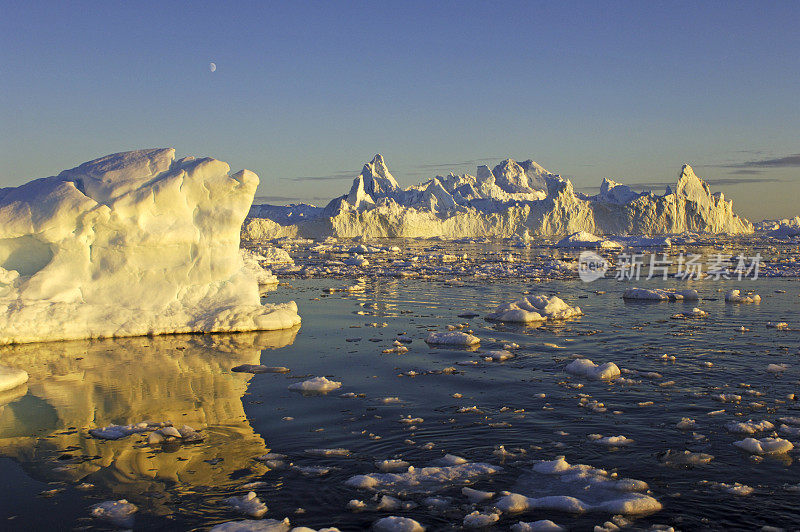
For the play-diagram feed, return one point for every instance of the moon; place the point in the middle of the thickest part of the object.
(212, 67)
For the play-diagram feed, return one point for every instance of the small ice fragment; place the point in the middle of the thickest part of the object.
(317, 385)
(248, 504)
(583, 367)
(119, 513)
(397, 524)
(479, 520)
(764, 445)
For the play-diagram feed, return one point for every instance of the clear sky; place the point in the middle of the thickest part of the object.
(305, 92)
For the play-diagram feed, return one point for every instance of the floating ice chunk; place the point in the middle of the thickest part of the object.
(686, 423)
(658, 294)
(577, 489)
(250, 525)
(791, 431)
(685, 458)
(134, 243)
(328, 452)
(115, 432)
(534, 308)
(119, 513)
(584, 239)
(542, 525)
(695, 313)
(424, 479)
(392, 465)
(10, 378)
(583, 367)
(476, 496)
(764, 445)
(777, 368)
(734, 296)
(610, 441)
(734, 489)
(397, 524)
(479, 520)
(748, 427)
(316, 385)
(780, 325)
(452, 338)
(450, 459)
(259, 368)
(248, 504)
(497, 356)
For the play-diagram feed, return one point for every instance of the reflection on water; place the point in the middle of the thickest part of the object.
(185, 379)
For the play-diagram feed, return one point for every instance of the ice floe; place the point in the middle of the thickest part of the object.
(578, 489)
(534, 308)
(764, 445)
(583, 367)
(658, 294)
(456, 338)
(423, 479)
(316, 385)
(397, 524)
(119, 513)
(735, 296)
(248, 504)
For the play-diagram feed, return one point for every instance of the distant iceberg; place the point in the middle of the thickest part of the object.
(130, 244)
(510, 199)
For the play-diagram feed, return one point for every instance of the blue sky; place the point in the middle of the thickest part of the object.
(306, 92)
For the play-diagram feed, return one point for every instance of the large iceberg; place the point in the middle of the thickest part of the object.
(510, 199)
(130, 244)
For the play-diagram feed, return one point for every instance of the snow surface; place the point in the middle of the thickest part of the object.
(130, 244)
(510, 199)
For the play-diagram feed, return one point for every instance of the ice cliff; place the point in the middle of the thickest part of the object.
(512, 198)
(130, 244)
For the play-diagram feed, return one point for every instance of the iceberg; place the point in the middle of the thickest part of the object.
(511, 200)
(134, 243)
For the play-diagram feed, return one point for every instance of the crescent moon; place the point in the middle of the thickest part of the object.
(212, 67)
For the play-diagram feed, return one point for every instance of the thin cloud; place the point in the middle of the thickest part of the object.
(338, 176)
(447, 166)
(722, 181)
(790, 161)
(277, 198)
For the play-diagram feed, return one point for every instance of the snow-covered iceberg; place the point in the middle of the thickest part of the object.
(510, 199)
(130, 244)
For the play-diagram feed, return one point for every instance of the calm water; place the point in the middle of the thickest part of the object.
(47, 455)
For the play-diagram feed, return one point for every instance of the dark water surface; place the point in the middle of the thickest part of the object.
(48, 456)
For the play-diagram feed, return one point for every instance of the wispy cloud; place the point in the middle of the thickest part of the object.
(276, 198)
(722, 181)
(448, 166)
(337, 176)
(789, 161)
